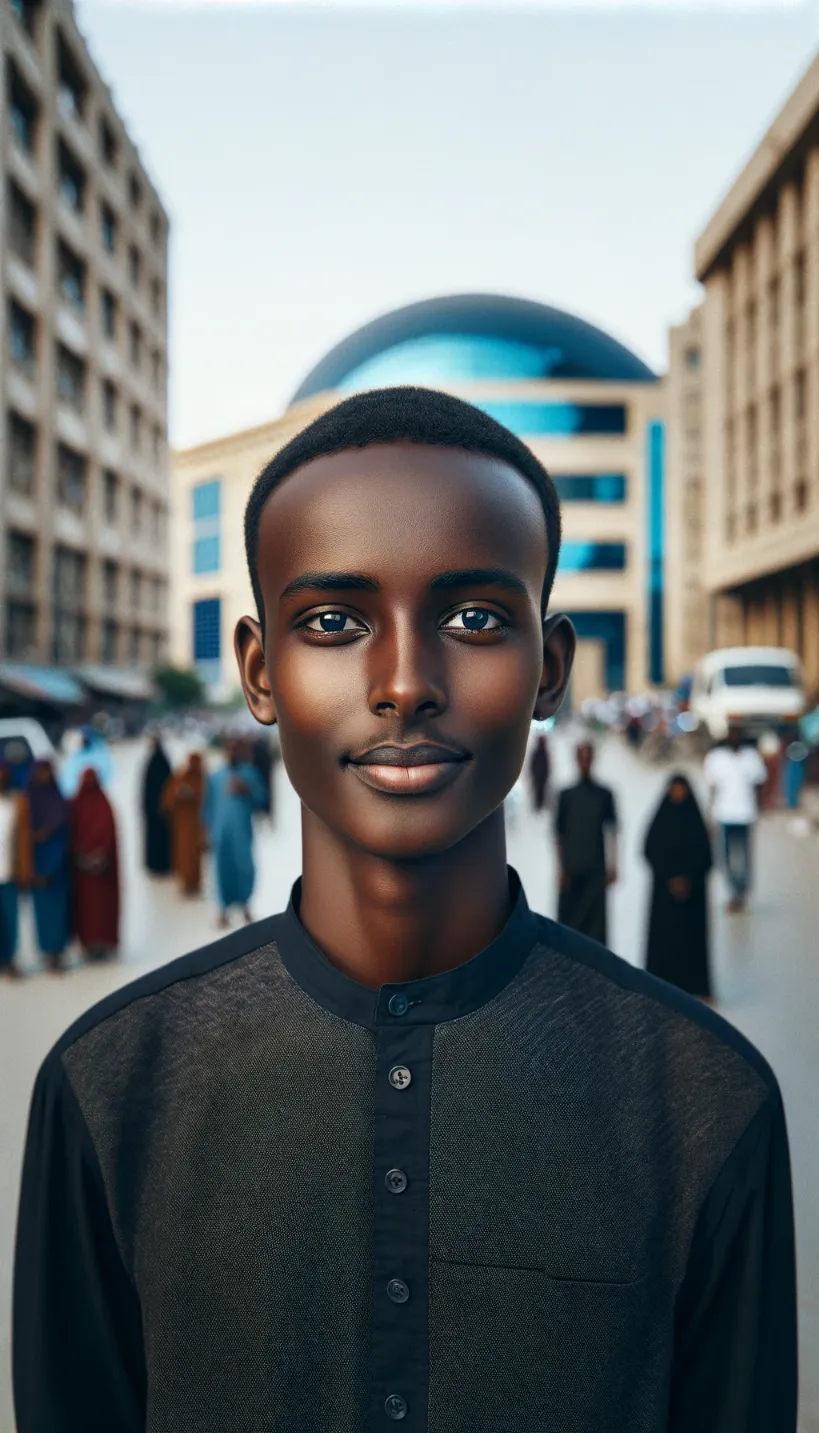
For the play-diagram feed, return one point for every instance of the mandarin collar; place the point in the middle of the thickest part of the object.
(431, 1000)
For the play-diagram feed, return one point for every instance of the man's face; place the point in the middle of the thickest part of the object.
(734, 738)
(381, 632)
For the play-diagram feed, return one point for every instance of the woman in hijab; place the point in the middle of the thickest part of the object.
(157, 827)
(182, 797)
(539, 772)
(95, 865)
(49, 834)
(678, 850)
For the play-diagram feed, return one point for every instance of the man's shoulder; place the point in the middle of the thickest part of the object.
(660, 1025)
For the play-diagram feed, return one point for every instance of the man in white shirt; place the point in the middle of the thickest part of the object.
(734, 775)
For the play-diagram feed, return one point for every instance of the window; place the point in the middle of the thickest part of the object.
(22, 225)
(750, 324)
(207, 622)
(68, 636)
(69, 577)
(156, 297)
(776, 409)
(156, 594)
(800, 393)
(134, 265)
(71, 86)
(750, 519)
(108, 313)
(109, 641)
(134, 192)
(109, 405)
(109, 148)
(136, 511)
(136, 428)
(22, 454)
(111, 496)
(207, 499)
(136, 590)
(134, 646)
(70, 378)
(775, 506)
(207, 555)
(157, 649)
(21, 630)
(773, 303)
(801, 495)
(156, 370)
(557, 419)
(156, 229)
(135, 344)
(20, 557)
(22, 337)
(108, 228)
(23, 109)
(26, 12)
(758, 675)
(590, 488)
(157, 444)
(70, 179)
(206, 503)
(592, 557)
(71, 475)
(71, 276)
(692, 359)
(799, 286)
(110, 583)
(157, 532)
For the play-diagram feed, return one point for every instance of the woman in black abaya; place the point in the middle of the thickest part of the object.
(157, 829)
(678, 850)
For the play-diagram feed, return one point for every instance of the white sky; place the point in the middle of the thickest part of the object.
(324, 166)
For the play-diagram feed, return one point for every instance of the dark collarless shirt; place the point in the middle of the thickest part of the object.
(541, 1193)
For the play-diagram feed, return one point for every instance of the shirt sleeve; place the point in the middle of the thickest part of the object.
(77, 1352)
(735, 1366)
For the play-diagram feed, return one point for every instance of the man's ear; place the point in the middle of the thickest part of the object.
(249, 647)
(559, 645)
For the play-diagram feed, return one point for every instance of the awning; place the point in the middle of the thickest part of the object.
(41, 684)
(116, 682)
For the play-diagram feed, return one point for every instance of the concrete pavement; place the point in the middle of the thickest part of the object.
(765, 966)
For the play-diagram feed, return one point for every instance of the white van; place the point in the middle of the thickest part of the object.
(757, 688)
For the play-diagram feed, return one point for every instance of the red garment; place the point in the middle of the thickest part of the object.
(95, 866)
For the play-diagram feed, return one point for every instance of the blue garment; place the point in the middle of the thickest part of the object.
(229, 822)
(8, 922)
(96, 756)
(51, 902)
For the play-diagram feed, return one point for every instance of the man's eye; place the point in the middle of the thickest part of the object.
(474, 619)
(329, 622)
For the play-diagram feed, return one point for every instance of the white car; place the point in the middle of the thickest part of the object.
(757, 688)
(22, 742)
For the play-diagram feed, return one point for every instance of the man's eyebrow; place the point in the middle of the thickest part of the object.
(479, 577)
(330, 582)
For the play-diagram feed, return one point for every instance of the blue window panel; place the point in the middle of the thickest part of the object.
(655, 462)
(610, 629)
(207, 630)
(207, 499)
(557, 420)
(207, 554)
(592, 557)
(590, 487)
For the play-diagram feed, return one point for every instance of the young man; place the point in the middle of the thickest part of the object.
(735, 775)
(586, 829)
(407, 1153)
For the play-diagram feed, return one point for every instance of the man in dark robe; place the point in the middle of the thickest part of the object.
(678, 850)
(539, 772)
(157, 828)
(586, 818)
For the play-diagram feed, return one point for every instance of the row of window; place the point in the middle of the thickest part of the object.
(69, 638)
(147, 592)
(73, 93)
(746, 523)
(747, 326)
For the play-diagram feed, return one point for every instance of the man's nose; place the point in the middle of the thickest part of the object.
(407, 674)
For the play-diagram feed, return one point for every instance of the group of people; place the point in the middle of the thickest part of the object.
(678, 848)
(63, 851)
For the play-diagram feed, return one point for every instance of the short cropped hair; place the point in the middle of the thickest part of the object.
(402, 415)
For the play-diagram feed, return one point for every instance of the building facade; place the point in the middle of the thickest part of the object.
(758, 260)
(687, 615)
(591, 411)
(84, 467)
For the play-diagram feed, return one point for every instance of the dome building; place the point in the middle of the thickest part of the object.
(588, 407)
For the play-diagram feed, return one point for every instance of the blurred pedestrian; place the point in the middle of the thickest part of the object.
(586, 829)
(95, 869)
(93, 752)
(678, 850)
(156, 823)
(795, 767)
(540, 768)
(15, 866)
(50, 882)
(734, 774)
(181, 800)
(233, 794)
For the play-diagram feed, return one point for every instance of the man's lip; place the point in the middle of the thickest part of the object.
(425, 754)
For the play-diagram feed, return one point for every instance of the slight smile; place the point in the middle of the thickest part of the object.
(409, 770)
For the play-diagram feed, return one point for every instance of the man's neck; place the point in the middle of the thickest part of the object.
(385, 922)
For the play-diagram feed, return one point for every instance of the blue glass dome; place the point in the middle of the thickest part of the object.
(473, 338)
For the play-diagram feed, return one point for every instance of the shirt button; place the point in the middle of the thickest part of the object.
(400, 1077)
(396, 1406)
(396, 1181)
(398, 1291)
(399, 1005)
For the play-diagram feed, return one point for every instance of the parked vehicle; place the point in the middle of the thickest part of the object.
(22, 742)
(757, 688)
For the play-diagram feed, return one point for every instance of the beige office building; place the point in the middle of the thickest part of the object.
(588, 407)
(84, 471)
(758, 260)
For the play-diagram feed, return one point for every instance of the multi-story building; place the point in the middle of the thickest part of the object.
(83, 361)
(588, 407)
(686, 623)
(758, 260)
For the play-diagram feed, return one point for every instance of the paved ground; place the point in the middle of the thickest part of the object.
(766, 970)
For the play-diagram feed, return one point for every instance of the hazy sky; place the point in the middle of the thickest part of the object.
(323, 167)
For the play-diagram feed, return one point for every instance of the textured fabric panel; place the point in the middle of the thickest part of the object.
(232, 1117)
(568, 1115)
